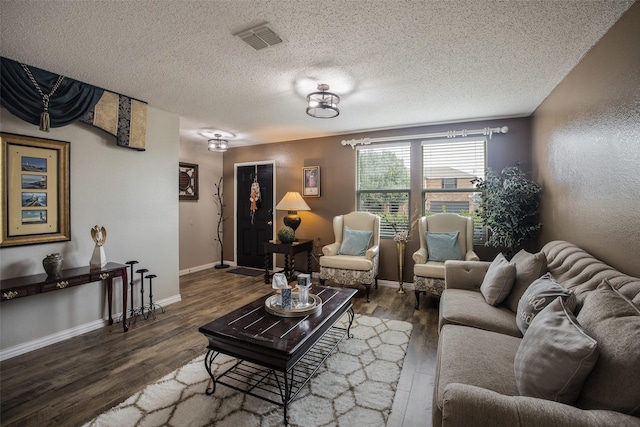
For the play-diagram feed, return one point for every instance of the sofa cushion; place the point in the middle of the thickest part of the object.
(355, 242)
(468, 308)
(475, 357)
(614, 321)
(529, 267)
(539, 295)
(498, 281)
(555, 356)
(443, 246)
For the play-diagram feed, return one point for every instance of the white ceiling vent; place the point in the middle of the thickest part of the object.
(259, 37)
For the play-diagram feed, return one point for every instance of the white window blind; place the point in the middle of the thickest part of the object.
(448, 167)
(383, 185)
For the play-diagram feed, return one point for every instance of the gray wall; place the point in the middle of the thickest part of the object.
(132, 194)
(199, 219)
(586, 150)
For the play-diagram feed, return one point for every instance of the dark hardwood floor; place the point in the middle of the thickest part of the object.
(69, 383)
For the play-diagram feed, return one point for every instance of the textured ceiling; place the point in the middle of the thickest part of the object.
(394, 63)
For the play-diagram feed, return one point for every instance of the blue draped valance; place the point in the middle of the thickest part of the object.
(68, 104)
(72, 101)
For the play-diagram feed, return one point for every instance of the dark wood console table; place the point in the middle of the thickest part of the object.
(289, 250)
(39, 283)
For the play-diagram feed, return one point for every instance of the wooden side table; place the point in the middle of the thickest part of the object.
(19, 287)
(289, 250)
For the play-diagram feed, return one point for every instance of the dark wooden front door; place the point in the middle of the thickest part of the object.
(253, 233)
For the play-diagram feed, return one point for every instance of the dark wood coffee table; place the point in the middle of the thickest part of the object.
(276, 355)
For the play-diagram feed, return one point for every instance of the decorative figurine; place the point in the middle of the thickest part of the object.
(99, 235)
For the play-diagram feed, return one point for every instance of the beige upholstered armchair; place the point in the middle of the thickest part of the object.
(428, 270)
(353, 257)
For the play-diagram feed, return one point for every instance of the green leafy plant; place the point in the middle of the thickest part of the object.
(286, 234)
(509, 205)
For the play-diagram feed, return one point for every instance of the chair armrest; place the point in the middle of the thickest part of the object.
(465, 274)
(420, 256)
(331, 249)
(471, 256)
(465, 405)
(372, 252)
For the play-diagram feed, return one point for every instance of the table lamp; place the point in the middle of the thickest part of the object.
(292, 202)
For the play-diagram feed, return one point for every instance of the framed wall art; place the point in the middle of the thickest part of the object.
(188, 181)
(311, 181)
(35, 193)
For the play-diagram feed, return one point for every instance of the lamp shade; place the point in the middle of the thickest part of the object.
(292, 202)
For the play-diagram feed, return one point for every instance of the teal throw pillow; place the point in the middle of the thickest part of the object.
(355, 242)
(443, 246)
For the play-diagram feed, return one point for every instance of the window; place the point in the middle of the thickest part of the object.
(447, 170)
(449, 183)
(383, 183)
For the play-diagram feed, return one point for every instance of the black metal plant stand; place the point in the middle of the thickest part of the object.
(151, 308)
(132, 313)
(142, 271)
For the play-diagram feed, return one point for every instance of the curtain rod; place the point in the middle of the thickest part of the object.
(448, 134)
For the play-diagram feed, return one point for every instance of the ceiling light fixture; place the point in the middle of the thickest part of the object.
(323, 104)
(218, 145)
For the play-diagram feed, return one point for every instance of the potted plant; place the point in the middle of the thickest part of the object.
(508, 206)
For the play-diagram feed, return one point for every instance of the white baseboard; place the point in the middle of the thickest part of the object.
(203, 267)
(19, 349)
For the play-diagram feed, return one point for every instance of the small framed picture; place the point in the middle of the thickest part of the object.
(188, 181)
(311, 181)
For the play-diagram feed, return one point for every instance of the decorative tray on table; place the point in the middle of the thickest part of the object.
(314, 305)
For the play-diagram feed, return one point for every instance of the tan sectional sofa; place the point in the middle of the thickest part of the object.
(475, 383)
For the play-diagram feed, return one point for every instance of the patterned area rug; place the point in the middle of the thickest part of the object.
(355, 386)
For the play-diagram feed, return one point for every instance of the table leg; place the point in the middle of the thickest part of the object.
(208, 361)
(293, 267)
(351, 314)
(125, 285)
(287, 270)
(287, 395)
(266, 266)
(110, 298)
(309, 262)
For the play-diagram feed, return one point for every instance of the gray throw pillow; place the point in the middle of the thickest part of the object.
(613, 320)
(354, 242)
(528, 268)
(537, 296)
(443, 246)
(555, 356)
(498, 280)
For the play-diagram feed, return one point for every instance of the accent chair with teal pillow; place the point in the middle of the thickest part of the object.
(353, 257)
(443, 237)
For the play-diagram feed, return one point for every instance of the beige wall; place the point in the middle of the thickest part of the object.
(337, 179)
(132, 194)
(586, 149)
(199, 219)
